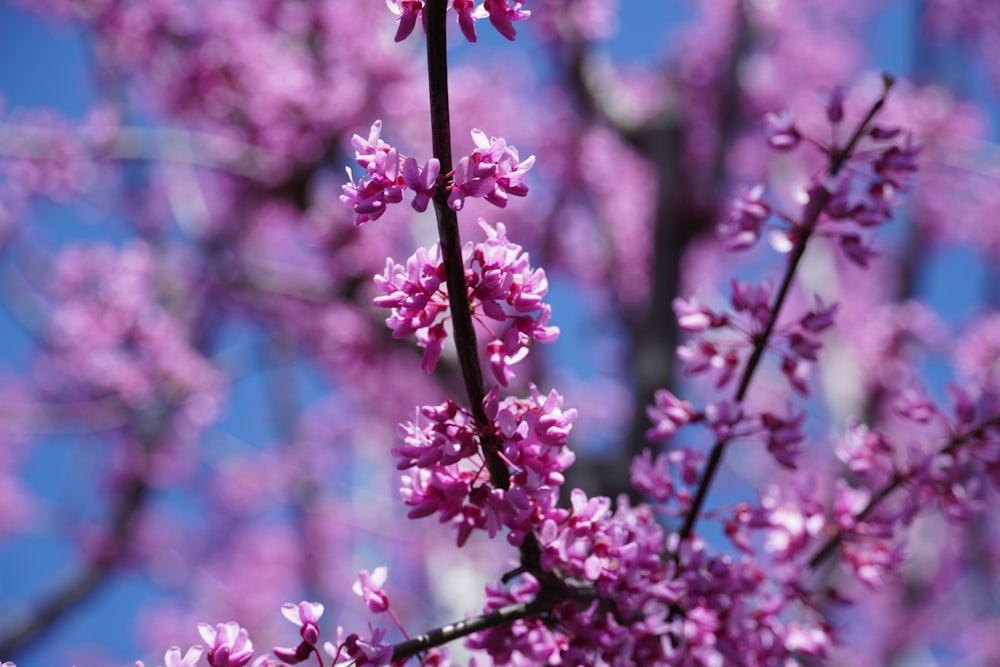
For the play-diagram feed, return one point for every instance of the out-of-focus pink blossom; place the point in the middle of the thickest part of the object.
(745, 219)
(228, 644)
(369, 588)
(781, 133)
(173, 658)
(668, 414)
(374, 651)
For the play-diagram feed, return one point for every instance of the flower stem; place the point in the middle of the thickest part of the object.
(451, 243)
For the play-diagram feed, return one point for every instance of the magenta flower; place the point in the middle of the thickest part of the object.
(668, 414)
(501, 362)
(467, 15)
(867, 454)
(695, 317)
(781, 133)
(502, 286)
(652, 477)
(746, 217)
(493, 171)
(423, 181)
(382, 183)
(820, 318)
(172, 658)
(305, 615)
(503, 16)
(408, 12)
(783, 437)
(361, 652)
(369, 587)
(793, 518)
(228, 644)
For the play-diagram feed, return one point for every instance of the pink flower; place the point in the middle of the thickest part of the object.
(668, 413)
(173, 658)
(856, 251)
(228, 644)
(781, 133)
(422, 181)
(652, 477)
(793, 522)
(867, 454)
(820, 318)
(382, 183)
(873, 561)
(374, 651)
(746, 217)
(913, 405)
(695, 317)
(898, 162)
(796, 371)
(305, 615)
(783, 437)
(497, 272)
(408, 12)
(369, 587)
(501, 361)
(493, 171)
(467, 14)
(806, 640)
(755, 300)
(503, 16)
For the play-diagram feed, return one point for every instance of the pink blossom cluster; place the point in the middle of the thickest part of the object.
(444, 446)
(856, 195)
(505, 294)
(958, 455)
(722, 339)
(622, 593)
(493, 171)
(113, 336)
(501, 13)
(728, 421)
(597, 580)
(257, 77)
(730, 614)
(229, 644)
(874, 508)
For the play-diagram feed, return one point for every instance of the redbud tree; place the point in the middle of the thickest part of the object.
(581, 362)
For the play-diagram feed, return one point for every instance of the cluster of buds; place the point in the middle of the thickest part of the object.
(505, 295)
(493, 171)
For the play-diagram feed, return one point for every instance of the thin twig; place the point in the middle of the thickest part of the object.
(819, 197)
(898, 480)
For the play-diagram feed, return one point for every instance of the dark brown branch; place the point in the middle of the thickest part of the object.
(685, 208)
(451, 632)
(87, 580)
(451, 243)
